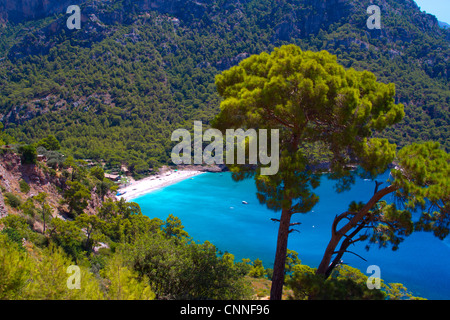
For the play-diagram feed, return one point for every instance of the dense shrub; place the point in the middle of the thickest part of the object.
(12, 200)
(24, 187)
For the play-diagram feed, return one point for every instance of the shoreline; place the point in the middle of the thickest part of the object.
(147, 185)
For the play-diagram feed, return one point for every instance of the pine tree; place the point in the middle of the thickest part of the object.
(311, 100)
(420, 182)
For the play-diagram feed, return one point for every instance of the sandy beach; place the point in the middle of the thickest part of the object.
(141, 187)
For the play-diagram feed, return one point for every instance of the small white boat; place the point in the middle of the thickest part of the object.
(244, 202)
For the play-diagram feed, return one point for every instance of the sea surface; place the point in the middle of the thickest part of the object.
(210, 207)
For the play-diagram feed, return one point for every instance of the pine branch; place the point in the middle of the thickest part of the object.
(344, 251)
(290, 225)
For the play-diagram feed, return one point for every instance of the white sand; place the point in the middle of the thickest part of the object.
(150, 184)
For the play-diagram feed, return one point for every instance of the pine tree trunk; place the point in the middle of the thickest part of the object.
(326, 259)
(325, 268)
(280, 256)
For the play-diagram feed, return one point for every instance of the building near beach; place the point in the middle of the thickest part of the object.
(112, 177)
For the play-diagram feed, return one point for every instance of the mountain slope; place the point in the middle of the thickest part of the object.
(137, 70)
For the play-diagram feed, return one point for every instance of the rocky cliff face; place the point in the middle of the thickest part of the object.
(16, 11)
(3, 210)
(20, 10)
(298, 18)
(12, 171)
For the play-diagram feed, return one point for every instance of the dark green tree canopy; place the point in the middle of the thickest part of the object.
(312, 100)
(50, 143)
(422, 177)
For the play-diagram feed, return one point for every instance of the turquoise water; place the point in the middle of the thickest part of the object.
(210, 207)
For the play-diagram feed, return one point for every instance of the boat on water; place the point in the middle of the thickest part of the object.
(244, 202)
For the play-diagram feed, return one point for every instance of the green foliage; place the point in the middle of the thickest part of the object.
(28, 208)
(49, 279)
(92, 226)
(340, 109)
(422, 177)
(185, 271)
(104, 186)
(43, 276)
(76, 197)
(12, 200)
(1, 134)
(244, 266)
(292, 260)
(5, 138)
(124, 283)
(257, 269)
(45, 208)
(377, 155)
(13, 235)
(67, 236)
(392, 225)
(16, 222)
(28, 153)
(125, 222)
(346, 283)
(397, 291)
(423, 171)
(174, 229)
(50, 143)
(77, 167)
(55, 159)
(18, 228)
(97, 172)
(24, 186)
(14, 268)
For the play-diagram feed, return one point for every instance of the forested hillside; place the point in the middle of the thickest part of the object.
(137, 70)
